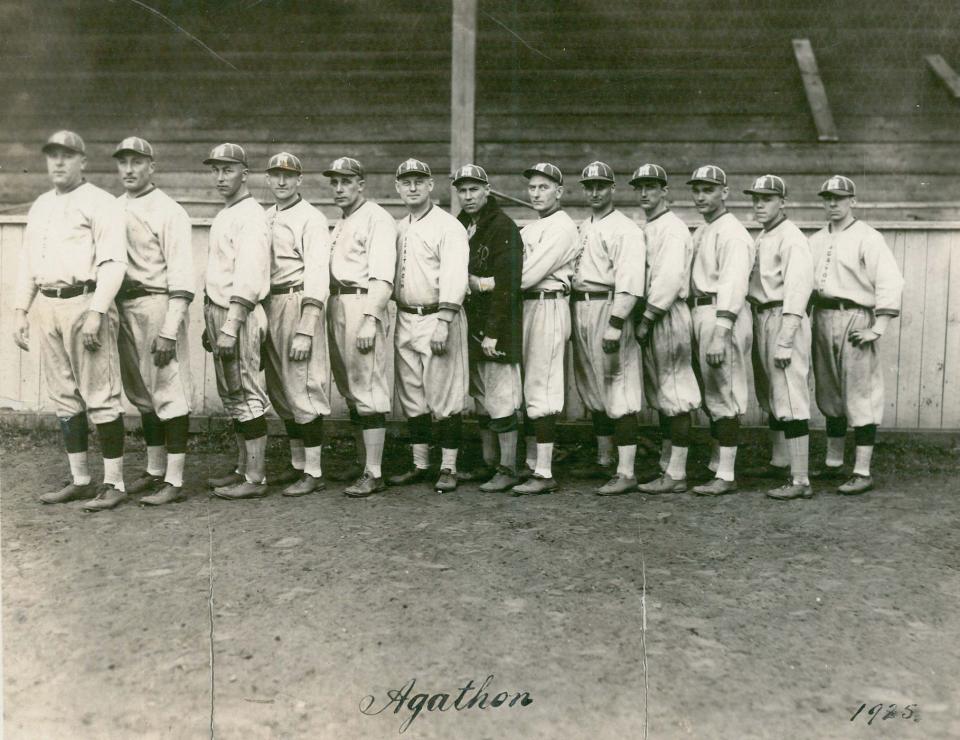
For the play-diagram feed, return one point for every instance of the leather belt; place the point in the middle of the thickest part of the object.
(837, 304)
(591, 295)
(71, 291)
(284, 289)
(761, 307)
(701, 300)
(419, 310)
(536, 295)
(346, 290)
(130, 293)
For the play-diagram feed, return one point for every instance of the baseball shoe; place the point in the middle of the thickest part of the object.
(827, 472)
(70, 492)
(856, 485)
(306, 484)
(350, 473)
(594, 470)
(503, 480)
(225, 481)
(791, 491)
(767, 471)
(169, 494)
(242, 491)
(483, 473)
(446, 482)
(716, 487)
(145, 482)
(536, 485)
(525, 473)
(414, 475)
(288, 476)
(618, 485)
(365, 486)
(664, 484)
(107, 497)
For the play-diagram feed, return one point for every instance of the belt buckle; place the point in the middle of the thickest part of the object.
(419, 310)
(60, 292)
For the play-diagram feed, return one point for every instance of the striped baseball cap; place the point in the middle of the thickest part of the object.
(413, 167)
(345, 166)
(65, 140)
(227, 153)
(285, 161)
(649, 172)
(134, 145)
(709, 173)
(597, 172)
(838, 185)
(470, 172)
(768, 185)
(547, 170)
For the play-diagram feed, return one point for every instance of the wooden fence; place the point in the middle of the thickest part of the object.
(920, 351)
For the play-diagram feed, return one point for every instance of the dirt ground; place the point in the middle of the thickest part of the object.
(275, 618)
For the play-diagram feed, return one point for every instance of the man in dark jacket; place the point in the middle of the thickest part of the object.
(494, 321)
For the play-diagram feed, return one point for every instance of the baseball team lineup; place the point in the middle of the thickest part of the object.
(655, 317)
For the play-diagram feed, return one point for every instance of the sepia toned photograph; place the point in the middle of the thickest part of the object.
(479, 369)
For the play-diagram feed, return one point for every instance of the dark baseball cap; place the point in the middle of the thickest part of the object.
(649, 172)
(285, 161)
(838, 185)
(227, 153)
(768, 185)
(413, 167)
(134, 145)
(345, 166)
(65, 140)
(597, 172)
(709, 173)
(470, 172)
(546, 169)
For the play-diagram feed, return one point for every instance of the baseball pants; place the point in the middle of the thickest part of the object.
(164, 391)
(496, 387)
(360, 378)
(546, 330)
(612, 383)
(669, 383)
(849, 380)
(238, 378)
(724, 388)
(429, 383)
(783, 393)
(79, 380)
(298, 390)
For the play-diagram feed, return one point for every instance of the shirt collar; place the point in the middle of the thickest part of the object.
(248, 195)
(664, 212)
(287, 208)
(776, 223)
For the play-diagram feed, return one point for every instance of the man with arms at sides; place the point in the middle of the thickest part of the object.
(495, 324)
(363, 260)
(75, 256)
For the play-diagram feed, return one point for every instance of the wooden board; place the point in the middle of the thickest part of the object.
(945, 73)
(890, 343)
(911, 330)
(950, 417)
(936, 286)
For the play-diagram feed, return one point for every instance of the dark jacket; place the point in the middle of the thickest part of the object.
(496, 250)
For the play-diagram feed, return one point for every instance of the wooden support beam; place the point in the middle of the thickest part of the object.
(945, 72)
(463, 83)
(816, 92)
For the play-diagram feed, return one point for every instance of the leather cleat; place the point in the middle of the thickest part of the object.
(145, 482)
(535, 486)
(525, 473)
(446, 482)
(107, 497)
(70, 492)
(767, 471)
(243, 490)
(594, 470)
(169, 494)
(225, 481)
(288, 476)
(503, 480)
(414, 475)
(617, 486)
(349, 473)
(856, 485)
(483, 473)
(664, 484)
(791, 491)
(365, 486)
(306, 484)
(716, 487)
(827, 472)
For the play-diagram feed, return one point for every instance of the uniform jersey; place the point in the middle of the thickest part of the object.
(669, 251)
(238, 264)
(783, 268)
(432, 258)
(550, 248)
(857, 265)
(67, 238)
(160, 248)
(364, 247)
(723, 258)
(300, 254)
(612, 255)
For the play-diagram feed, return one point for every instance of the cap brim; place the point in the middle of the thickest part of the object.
(408, 173)
(224, 160)
(530, 173)
(283, 169)
(47, 147)
(839, 193)
(331, 173)
(469, 179)
(706, 182)
(764, 191)
(597, 179)
(647, 178)
(121, 152)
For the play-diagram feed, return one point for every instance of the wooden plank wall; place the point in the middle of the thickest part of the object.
(920, 352)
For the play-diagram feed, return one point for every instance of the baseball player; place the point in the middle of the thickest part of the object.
(153, 303)
(858, 287)
(295, 358)
(550, 249)
(363, 259)
(723, 258)
(607, 283)
(75, 256)
(237, 280)
(780, 286)
(494, 318)
(433, 255)
(665, 328)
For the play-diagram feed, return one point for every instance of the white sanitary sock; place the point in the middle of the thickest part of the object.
(78, 468)
(113, 472)
(863, 458)
(175, 464)
(626, 461)
(544, 463)
(311, 461)
(727, 461)
(835, 451)
(780, 457)
(155, 463)
(421, 455)
(448, 459)
(297, 455)
(373, 441)
(800, 459)
(677, 467)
